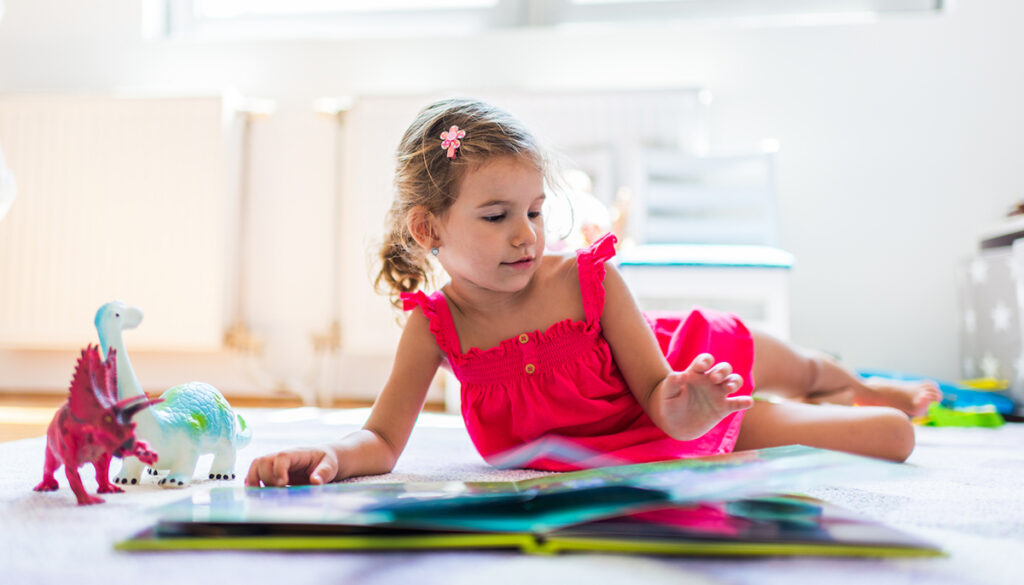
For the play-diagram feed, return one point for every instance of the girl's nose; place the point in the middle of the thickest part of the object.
(526, 233)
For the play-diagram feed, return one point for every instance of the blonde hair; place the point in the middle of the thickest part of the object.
(425, 176)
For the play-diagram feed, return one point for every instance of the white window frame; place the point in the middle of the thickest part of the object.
(177, 18)
(179, 21)
(732, 11)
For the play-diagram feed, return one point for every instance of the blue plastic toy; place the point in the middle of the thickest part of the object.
(954, 396)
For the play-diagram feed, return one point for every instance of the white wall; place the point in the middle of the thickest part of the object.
(899, 139)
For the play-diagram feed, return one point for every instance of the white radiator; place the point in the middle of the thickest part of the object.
(117, 199)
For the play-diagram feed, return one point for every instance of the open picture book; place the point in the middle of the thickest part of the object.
(742, 503)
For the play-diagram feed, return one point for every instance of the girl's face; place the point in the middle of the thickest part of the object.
(492, 237)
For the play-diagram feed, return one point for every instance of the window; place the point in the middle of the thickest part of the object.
(234, 8)
(268, 19)
(734, 11)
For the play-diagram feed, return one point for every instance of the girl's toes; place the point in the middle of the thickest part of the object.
(923, 399)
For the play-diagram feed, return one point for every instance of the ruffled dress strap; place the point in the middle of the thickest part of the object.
(590, 262)
(435, 308)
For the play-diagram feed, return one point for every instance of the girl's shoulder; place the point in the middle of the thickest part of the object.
(424, 328)
(593, 260)
(559, 265)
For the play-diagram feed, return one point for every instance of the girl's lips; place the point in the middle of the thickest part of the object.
(521, 263)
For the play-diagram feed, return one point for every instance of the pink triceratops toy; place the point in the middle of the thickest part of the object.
(92, 426)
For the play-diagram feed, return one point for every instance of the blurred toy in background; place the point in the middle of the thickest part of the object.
(970, 416)
(93, 426)
(977, 402)
(193, 419)
(579, 218)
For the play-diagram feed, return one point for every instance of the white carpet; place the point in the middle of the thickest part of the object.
(966, 493)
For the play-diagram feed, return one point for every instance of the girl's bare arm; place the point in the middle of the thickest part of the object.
(633, 344)
(375, 448)
(400, 402)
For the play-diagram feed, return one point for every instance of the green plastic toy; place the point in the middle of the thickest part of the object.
(973, 416)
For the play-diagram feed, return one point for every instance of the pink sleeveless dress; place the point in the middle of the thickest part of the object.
(563, 382)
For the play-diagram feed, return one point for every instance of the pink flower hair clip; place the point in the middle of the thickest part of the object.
(450, 140)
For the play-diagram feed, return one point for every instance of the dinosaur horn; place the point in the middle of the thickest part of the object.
(145, 400)
(129, 407)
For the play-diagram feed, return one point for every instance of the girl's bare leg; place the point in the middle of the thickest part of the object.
(782, 370)
(874, 431)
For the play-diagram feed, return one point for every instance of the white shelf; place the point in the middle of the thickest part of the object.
(706, 255)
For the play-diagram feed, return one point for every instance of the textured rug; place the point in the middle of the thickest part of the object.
(963, 492)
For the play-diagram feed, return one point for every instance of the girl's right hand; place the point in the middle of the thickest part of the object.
(303, 466)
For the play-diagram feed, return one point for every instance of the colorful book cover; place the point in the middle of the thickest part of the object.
(725, 505)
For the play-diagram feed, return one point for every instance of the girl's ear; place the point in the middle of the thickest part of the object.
(421, 224)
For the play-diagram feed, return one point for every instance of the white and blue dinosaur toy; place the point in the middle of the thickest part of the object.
(193, 419)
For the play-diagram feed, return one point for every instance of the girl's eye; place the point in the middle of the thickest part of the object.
(494, 218)
(534, 214)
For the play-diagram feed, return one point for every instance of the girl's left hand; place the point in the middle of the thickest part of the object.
(689, 403)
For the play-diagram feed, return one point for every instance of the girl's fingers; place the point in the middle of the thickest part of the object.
(261, 472)
(733, 382)
(719, 372)
(276, 469)
(739, 402)
(252, 479)
(278, 472)
(322, 474)
(702, 363)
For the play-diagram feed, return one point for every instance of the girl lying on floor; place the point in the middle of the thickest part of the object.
(554, 345)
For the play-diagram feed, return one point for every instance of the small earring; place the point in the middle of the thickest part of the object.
(434, 250)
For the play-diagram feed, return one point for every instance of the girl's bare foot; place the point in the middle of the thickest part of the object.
(910, 396)
(689, 403)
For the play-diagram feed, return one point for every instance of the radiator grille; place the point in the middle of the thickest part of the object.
(117, 199)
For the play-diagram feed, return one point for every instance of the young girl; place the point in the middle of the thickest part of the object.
(549, 345)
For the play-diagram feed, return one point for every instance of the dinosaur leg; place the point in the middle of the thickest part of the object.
(131, 469)
(223, 466)
(50, 465)
(75, 481)
(102, 466)
(182, 467)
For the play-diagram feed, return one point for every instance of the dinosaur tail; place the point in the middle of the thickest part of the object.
(244, 435)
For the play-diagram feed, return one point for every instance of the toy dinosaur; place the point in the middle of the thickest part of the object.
(93, 426)
(193, 419)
